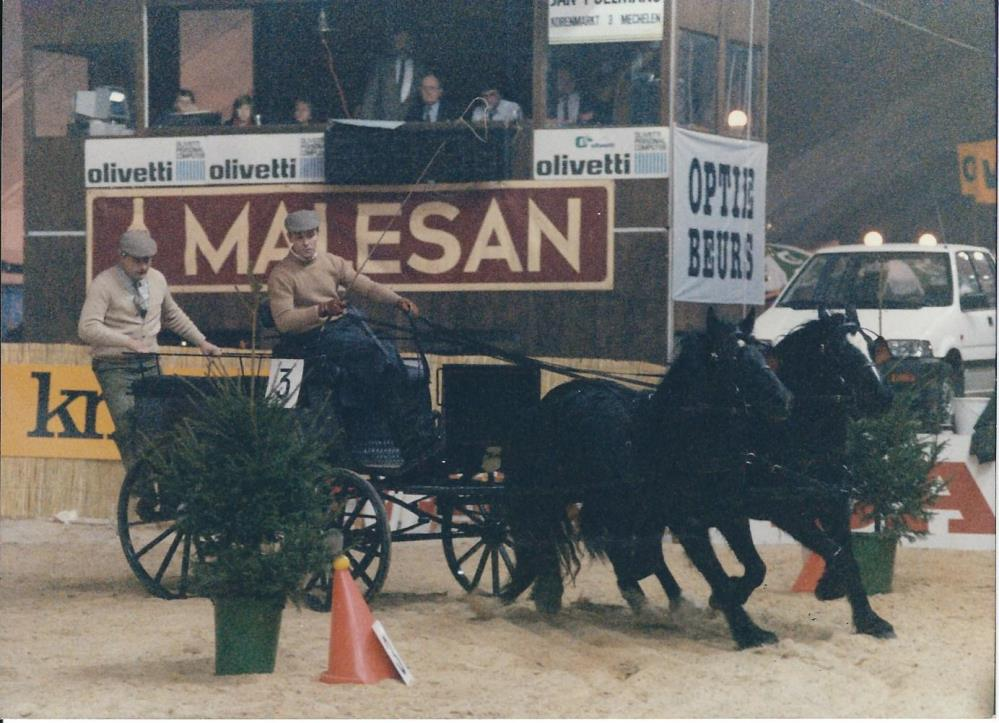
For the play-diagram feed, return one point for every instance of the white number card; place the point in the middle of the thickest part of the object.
(285, 380)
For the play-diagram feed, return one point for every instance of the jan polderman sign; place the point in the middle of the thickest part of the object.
(719, 211)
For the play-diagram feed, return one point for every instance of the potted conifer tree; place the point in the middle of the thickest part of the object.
(245, 477)
(891, 464)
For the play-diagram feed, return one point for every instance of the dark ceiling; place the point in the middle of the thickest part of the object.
(865, 114)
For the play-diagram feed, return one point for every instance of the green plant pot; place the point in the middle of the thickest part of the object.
(246, 634)
(876, 557)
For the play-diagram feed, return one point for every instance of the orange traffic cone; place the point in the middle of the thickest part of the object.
(356, 654)
(810, 574)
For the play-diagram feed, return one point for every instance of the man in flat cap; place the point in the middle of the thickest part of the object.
(125, 308)
(307, 291)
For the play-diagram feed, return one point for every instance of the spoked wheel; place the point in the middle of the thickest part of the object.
(158, 553)
(477, 544)
(357, 514)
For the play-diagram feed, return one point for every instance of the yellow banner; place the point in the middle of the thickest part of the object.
(977, 166)
(57, 411)
(53, 410)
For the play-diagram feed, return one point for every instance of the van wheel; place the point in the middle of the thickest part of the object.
(956, 374)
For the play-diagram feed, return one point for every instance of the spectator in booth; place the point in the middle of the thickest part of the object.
(497, 109)
(242, 113)
(432, 107)
(570, 107)
(125, 308)
(391, 88)
(302, 113)
(183, 104)
(308, 299)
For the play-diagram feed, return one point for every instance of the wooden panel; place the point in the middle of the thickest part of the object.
(54, 288)
(54, 185)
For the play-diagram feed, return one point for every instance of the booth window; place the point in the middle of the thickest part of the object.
(696, 80)
(736, 68)
(55, 78)
(607, 84)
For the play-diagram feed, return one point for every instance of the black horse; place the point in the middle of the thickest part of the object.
(591, 441)
(795, 478)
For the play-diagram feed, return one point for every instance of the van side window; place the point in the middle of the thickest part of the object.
(985, 270)
(966, 278)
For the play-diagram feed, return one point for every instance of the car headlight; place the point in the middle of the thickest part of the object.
(910, 348)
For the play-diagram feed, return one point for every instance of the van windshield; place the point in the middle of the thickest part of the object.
(889, 280)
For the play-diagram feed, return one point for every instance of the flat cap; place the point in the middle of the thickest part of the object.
(137, 243)
(304, 220)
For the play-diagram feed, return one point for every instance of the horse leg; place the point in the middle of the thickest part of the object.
(836, 522)
(840, 559)
(548, 587)
(747, 634)
(523, 574)
(669, 584)
(740, 540)
(626, 576)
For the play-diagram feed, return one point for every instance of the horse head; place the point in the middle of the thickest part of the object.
(831, 357)
(738, 372)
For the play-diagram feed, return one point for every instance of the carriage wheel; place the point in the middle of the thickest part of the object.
(357, 513)
(477, 544)
(158, 553)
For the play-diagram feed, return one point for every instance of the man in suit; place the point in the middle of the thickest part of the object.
(392, 85)
(433, 107)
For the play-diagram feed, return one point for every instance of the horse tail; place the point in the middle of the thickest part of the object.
(536, 512)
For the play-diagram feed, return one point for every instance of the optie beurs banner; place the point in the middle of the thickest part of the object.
(513, 235)
(719, 208)
(977, 163)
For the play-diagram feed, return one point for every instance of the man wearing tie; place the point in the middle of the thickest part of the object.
(570, 106)
(392, 86)
(125, 307)
(433, 106)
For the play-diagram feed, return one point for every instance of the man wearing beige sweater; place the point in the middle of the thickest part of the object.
(307, 291)
(125, 308)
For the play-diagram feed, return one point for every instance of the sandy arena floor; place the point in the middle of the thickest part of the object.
(80, 638)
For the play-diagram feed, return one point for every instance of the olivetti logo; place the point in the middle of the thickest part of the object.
(71, 429)
(583, 141)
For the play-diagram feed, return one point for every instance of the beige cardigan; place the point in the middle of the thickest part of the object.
(109, 316)
(296, 289)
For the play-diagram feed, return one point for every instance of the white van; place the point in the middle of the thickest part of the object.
(936, 306)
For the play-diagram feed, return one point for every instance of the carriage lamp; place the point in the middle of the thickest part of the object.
(927, 239)
(910, 348)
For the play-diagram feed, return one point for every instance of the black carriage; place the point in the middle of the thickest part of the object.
(454, 497)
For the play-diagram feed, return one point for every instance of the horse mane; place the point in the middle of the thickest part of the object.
(807, 334)
(687, 363)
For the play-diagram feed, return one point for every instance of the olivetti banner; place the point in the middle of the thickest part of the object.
(487, 237)
(719, 210)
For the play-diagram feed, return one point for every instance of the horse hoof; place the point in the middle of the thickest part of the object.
(755, 639)
(876, 627)
(829, 587)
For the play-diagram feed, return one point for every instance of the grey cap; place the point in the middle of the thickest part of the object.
(304, 220)
(137, 243)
